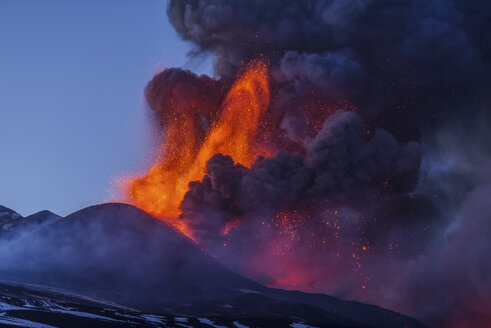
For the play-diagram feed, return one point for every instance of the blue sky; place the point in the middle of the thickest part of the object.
(72, 115)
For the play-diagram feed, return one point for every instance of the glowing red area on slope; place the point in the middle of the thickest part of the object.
(244, 128)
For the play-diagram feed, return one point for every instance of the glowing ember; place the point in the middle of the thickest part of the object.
(162, 189)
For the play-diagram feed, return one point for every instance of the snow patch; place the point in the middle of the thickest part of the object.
(21, 322)
(8, 307)
(300, 325)
(153, 318)
(86, 315)
(183, 325)
(209, 322)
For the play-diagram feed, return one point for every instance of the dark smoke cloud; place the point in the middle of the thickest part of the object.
(379, 55)
(175, 94)
(358, 182)
(426, 226)
(234, 29)
(447, 284)
(433, 40)
(390, 191)
(339, 165)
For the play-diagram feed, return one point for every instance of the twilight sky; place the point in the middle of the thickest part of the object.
(71, 96)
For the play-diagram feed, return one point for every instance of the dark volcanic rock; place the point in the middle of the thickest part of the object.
(121, 254)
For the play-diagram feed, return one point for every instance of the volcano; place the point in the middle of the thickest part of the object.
(133, 263)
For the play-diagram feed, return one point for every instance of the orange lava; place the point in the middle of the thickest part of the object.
(185, 153)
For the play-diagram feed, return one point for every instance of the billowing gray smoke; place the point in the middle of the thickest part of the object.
(386, 204)
(381, 56)
(339, 165)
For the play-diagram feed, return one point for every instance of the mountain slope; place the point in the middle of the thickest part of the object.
(118, 251)
(121, 254)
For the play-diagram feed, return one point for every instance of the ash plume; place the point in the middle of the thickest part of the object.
(176, 92)
(379, 56)
(378, 121)
(339, 166)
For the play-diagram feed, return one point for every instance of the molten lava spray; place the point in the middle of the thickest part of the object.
(162, 189)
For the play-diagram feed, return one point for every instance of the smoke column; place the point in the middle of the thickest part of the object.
(342, 147)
